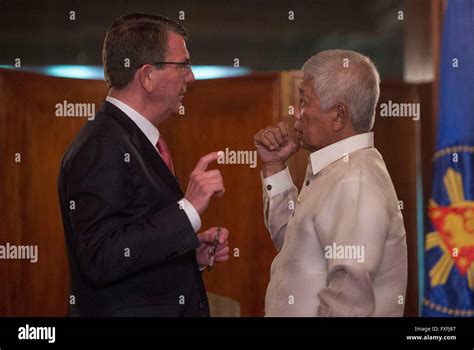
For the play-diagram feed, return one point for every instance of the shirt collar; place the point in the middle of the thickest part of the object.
(329, 154)
(150, 131)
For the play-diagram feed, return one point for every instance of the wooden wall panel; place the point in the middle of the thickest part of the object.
(399, 141)
(29, 203)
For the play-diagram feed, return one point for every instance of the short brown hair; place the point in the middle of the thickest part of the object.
(135, 39)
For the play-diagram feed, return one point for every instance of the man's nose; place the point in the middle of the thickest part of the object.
(189, 78)
(297, 114)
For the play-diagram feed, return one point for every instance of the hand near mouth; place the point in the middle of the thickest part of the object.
(274, 146)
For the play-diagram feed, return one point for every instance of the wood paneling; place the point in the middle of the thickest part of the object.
(399, 141)
(29, 204)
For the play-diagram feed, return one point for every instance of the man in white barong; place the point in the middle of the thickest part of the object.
(341, 239)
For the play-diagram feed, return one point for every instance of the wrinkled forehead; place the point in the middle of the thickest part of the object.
(305, 86)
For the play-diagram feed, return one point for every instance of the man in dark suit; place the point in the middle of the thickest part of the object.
(130, 231)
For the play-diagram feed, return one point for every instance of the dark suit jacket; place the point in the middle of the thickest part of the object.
(131, 249)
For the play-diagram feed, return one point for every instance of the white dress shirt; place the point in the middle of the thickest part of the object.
(153, 135)
(347, 205)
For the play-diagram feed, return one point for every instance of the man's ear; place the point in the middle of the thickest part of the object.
(145, 76)
(340, 118)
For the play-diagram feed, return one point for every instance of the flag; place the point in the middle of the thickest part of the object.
(449, 242)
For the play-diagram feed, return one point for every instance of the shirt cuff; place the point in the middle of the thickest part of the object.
(192, 214)
(277, 183)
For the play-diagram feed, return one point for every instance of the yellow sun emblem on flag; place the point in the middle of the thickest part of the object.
(454, 233)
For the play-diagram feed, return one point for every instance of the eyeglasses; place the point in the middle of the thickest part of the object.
(186, 65)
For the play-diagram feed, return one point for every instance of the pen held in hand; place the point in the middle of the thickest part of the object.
(212, 251)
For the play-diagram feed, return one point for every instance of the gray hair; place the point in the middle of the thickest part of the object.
(346, 77)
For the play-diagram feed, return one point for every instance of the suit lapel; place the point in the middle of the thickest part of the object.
(149, 153)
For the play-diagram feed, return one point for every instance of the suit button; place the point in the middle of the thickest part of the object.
(307, 182)
(202, 304)
(269, 187)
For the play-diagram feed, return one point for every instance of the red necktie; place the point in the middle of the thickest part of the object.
(165, 154)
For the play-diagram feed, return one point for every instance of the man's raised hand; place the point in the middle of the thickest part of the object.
(203, 183)
(274, 146)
